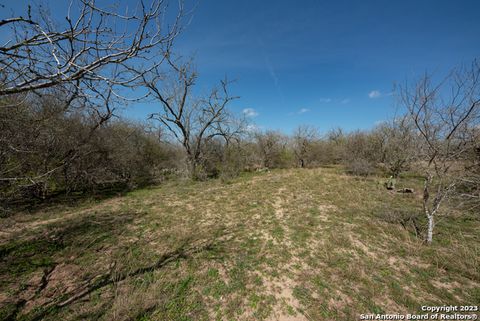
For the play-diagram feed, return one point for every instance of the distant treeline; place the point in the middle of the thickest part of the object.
(47, 150)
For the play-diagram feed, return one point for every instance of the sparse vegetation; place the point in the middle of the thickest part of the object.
(305, 243)
(196, 213)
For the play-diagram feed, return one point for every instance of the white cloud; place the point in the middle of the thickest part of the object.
(250, 112)
(345, 101)
(374, 94)
(303, 110)
(252, 128)
(325, 100)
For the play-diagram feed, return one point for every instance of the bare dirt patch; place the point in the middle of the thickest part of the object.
(283, 291)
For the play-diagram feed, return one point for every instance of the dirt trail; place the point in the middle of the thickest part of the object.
(282, 288)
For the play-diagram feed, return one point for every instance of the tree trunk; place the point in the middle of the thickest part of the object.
(428, 213)
(430, 229)
(193, 164)
(192, 168)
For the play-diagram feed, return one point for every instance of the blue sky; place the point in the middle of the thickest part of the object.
(324, 63)
(316, 62)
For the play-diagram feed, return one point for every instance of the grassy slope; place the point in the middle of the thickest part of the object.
(291, 244)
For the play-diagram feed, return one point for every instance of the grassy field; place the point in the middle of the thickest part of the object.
(285, 245)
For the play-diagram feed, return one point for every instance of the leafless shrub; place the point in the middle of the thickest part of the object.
(76, 154)
(360, 167)
(360, 153)
(397, 143)
(444, 114)
(304, 139)
(272, 148)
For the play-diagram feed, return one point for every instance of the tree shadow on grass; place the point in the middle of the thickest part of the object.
(38, 247)
(54, 244)
(63, 199)
(188, 248)
(41, 250)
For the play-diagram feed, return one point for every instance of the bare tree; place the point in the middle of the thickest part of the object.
(192, 121)
(469, 189)
(93, 46)
(444, 115)
(360, 153)
(397, 141)
(330, 149)
(83, 64)
(271, 145)
(303, 139)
